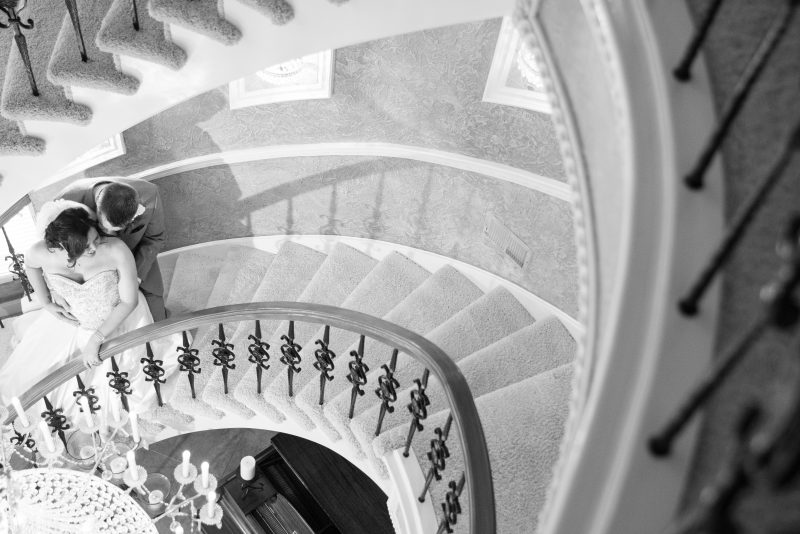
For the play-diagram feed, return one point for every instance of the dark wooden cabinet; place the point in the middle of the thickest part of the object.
(302, 488)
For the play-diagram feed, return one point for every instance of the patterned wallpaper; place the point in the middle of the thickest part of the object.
(421, 89)
(426, 206)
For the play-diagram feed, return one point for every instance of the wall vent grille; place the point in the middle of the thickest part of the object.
(504, 239)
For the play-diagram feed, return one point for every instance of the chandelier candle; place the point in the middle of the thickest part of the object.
(23, 419)
(204, 474)
(87, 413)
(133, 469)
(211, 497)
(247, 468)
(114, 411)
(48, 438)
(134, 427)
(185, 464)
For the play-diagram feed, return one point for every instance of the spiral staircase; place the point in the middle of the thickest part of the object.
(576, 409)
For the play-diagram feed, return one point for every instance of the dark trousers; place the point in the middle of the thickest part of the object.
(156, 305)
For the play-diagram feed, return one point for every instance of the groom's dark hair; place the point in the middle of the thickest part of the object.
(70, 231)
(118, 203)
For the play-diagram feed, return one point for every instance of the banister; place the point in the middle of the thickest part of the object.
(463, 409)
(15, 208)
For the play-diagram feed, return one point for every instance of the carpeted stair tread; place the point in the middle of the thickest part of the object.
(530, 351)
(15, 143)
(193, 279)
(289, 274)
(383, 288)
(18, 102)
(523, 425)
(200, 16)
(167, 265)
(341, 273)
(433, 302)
(99, 71)
(488, 319)
(278, 11)
(117, 36)
(242, 270)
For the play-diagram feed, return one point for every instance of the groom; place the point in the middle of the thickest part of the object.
(131, 210)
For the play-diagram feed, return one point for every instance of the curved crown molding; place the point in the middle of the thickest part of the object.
(548, 186)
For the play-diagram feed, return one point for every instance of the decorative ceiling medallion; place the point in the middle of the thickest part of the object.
(514, 77)
(306, 78)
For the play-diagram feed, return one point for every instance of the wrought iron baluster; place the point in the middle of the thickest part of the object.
(223, 356)
(258, 354)
(324, 363)
(387, 390)
(154, 370)
(437, 456)
(188, 361)
(694, 180)
(683, 71)
(55, 419)
(780, 311)
(23, 440)
(135, 15)
(688, 305)
(291, 356)
(83, 392)
(17, 25)
(72, 8)
(418, 408)
(17, 266)
(451, 507)
(120, 383)
(357, 375)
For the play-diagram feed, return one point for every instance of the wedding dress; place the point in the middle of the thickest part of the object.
(49, 343)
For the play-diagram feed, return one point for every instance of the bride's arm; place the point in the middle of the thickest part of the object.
(128, 298)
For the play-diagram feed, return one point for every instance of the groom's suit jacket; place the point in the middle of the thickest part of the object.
(144, 235)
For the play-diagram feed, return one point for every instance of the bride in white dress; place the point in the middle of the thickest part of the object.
(88, 290)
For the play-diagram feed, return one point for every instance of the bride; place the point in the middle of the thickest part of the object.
(88, 290)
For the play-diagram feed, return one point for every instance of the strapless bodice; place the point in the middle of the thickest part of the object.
(91, 301)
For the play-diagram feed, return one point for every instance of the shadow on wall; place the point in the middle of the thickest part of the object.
(413, 203)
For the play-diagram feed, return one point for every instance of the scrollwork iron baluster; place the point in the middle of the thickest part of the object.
(154, 370)
(223, 356)
(188, 361)
(387, 390)
(16, 23)
(120, 383)
(86, 393)
(55, 419)
(418, 408)
(17, 266)
(324, 363)
(72, 8)
(23, 440)
(291, 356)
(451, 507)
(357, 375)
(135, 15)
(258, 354)
(683, 71)
(437, 456)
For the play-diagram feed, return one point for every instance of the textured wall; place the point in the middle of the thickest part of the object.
(426, 206)
(421, 89)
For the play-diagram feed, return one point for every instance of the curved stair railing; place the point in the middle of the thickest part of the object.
(477, 476)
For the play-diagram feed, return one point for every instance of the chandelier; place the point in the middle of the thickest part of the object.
(88, 495)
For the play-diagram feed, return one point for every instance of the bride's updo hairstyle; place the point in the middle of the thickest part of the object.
(70, 231)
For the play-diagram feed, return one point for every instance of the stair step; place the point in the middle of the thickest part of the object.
(200, 16)
(339, 273)
(15, 143)
(278, 11)
(52, 104)
(488, 319)
(523, 424)
(292, 269)
(432, 303)
(117, 36)
(383, 288)
(99, 72)
(167, 266)
(194, 278)
(241, 272)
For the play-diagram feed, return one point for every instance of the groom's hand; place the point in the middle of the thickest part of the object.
(61, 313)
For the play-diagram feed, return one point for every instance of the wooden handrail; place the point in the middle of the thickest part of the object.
(462, 406)
(15, 208)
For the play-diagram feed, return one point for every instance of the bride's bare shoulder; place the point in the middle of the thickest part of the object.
(37, 254)
(116, 247)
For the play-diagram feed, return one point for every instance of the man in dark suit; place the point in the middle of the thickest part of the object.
(131, 210)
